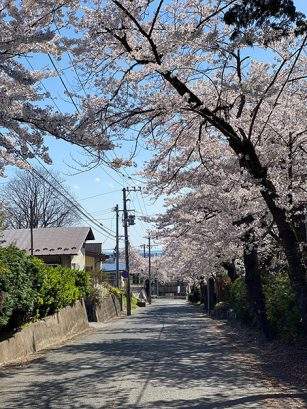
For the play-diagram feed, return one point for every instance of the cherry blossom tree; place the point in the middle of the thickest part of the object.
(214, 203)
(212, 225)
(27, 31)
(162, 67)
(137, 263)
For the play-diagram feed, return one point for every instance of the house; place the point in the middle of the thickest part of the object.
(66, 246)
(109, 268)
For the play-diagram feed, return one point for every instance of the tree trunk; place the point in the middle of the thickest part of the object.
(290, 242)
(254, 287)
(250, 161)
(231, 270)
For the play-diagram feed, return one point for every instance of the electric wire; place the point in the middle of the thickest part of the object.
(74, 204)
(63, 83)
(72, 200)
(68, 195)
(100, 194)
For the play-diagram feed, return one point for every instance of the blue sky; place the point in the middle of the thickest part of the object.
(100, 189)
(101, 181)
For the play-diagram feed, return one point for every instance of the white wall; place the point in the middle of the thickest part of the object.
(78, 261)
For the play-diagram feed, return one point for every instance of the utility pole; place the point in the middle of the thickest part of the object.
(127, 250)
(31, 227)
(144, 250)
(149, 268)
(128, 221)
(117, 247)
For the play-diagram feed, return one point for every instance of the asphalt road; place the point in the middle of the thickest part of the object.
(165, 356)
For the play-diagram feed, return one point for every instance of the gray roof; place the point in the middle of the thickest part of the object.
(48, 241)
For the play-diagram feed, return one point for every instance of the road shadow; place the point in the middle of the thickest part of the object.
(167, 347)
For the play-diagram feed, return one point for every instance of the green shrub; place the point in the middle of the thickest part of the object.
(7, 298)
(61, 286)
(221, 310)
(83, 282)
(116, 291)
(282, 309)
(281, 306)
(222, 306)
(19, 284)
(134, 302)
(194, 296)
(239, 300)
(30, 289)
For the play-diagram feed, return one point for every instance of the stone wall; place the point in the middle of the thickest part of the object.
(108, 308)
(45, 333)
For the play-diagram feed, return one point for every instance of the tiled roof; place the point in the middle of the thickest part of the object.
(48, 241)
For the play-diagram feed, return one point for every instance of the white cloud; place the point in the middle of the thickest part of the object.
(97, 179)
(77, 187)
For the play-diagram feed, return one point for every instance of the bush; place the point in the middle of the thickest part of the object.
(7, 299)
(282, 309)
(30, 289)
(118, 292)
(61, 286)
(19, 284)
(194, 295)
(223, 287)
(281, 306)
(221, 309)
(98, 293)
(99, 277)
(134, 302)
(239, 300)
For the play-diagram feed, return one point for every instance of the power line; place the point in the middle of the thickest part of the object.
(102, 212)
(123, 173)
(145, 206)
(72, 200)
(74, 204)
(66, 195)
(141, 221)
(67, 90)
(100, 194)
(72, 63)
(43, 85)
(63, 83)
(69, 197)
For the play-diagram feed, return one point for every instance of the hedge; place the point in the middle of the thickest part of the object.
(19, 285)
(61, 286)
(29, 289)
(239, 300)
(282, 309)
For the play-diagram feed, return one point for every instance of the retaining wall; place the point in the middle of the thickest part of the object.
(108, 308)
(45, 333)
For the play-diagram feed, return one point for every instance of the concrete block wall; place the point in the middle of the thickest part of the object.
(108, 308)
(45, 333)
